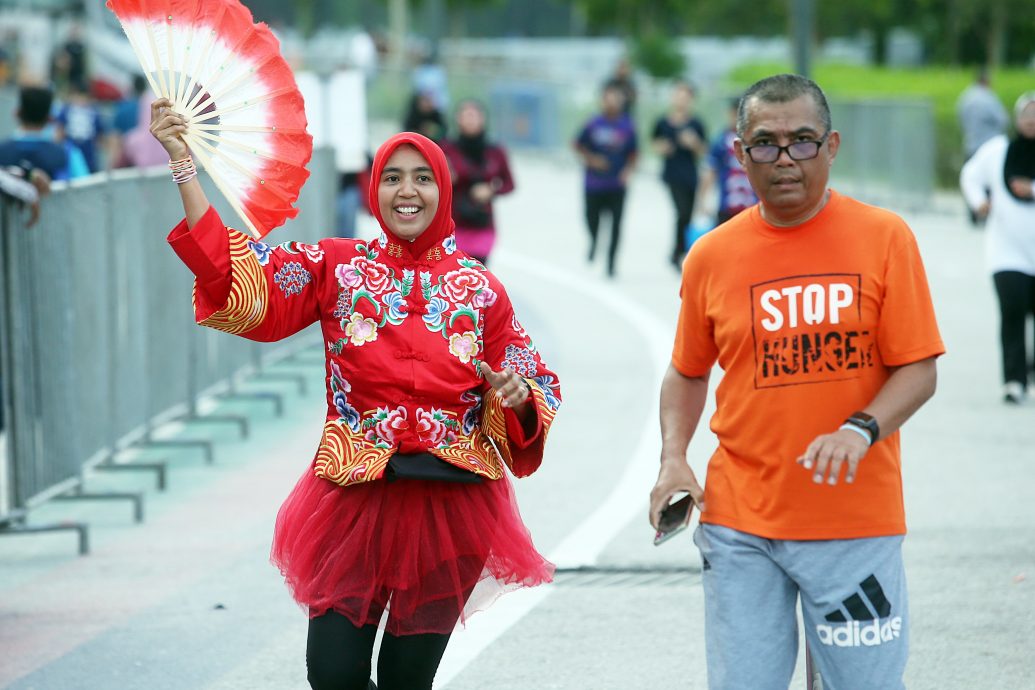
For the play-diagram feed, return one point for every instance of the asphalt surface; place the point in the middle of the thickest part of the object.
(188, 599)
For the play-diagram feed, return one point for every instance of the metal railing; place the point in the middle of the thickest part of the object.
(98, 346)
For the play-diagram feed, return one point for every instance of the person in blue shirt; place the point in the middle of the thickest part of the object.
(725, 171)
(80, 122)
(31, 147)
(679, 138)
(608, 149)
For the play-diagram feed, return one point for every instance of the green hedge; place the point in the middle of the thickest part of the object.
(942, 85)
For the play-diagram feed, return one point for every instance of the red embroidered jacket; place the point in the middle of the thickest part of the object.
(403, 341)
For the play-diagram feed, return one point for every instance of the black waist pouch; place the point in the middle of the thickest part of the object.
(426, 467)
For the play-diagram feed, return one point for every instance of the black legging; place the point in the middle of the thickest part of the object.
(1016, 293)
(338, 656)
(683, 199)
(613, 202)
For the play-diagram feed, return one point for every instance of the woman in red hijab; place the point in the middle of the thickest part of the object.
(405, 519)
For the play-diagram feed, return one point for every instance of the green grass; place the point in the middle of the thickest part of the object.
(940, 85)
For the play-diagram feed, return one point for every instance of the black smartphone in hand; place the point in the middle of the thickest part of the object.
(674, 519)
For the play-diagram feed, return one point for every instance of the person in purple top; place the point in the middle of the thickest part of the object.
(608, 149)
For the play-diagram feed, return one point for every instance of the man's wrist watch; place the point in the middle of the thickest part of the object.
(867, 423)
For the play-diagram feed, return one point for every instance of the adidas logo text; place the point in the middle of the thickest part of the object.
(856, 634)
(869, 621)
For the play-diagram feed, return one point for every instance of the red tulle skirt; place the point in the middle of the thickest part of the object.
(429, 553)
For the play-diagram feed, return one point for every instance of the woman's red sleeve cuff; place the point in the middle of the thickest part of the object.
(205, 250)
(519, 439)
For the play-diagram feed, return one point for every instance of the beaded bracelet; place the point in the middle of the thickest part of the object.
(183, 170)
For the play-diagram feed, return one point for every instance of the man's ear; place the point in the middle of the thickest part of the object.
(738, 151)
(833, 144)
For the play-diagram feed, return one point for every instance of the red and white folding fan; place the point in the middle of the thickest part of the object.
(225, 75)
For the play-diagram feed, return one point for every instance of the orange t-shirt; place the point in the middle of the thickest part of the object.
(805, 322)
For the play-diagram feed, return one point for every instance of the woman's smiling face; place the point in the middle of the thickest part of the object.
(407, 193)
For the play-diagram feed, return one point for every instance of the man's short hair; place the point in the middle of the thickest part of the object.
(34, 104)
(782, 88)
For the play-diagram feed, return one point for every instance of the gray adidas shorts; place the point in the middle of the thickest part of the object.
(853, 602)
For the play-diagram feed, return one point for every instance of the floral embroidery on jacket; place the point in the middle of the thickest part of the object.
(363, 273)
(313, 251)
(520, 359)
(262, 251)
(360, 330)
(343, 307)
(434, 312)
(464, 346)
(549, 386)
(518, 328)
(472, 415)
(291, 278)
(384, 425)
(396, 307)
(453, 302)
(462, 284)
(340, 388)
(435, 428)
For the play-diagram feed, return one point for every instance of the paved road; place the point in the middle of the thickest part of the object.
(187, 599)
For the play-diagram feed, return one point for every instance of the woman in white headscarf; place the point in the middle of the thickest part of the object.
(1006, 166)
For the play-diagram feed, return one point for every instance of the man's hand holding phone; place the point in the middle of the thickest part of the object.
(674, 477)
(674, 519)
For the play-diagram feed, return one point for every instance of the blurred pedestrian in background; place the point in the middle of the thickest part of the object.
(432, 387)
(69, 61)
(126, 115)
(725, 172)
(608, 149)
(480, 174)
(424, 117)
(33, 146)
(352, 189)
(139, 149)
(981, 116)
(80, 121)
(817, 309)
(679, 138)
(429, 77)
(1006, 166)
(622, 78)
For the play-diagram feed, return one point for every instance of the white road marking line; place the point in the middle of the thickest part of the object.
(628, 497)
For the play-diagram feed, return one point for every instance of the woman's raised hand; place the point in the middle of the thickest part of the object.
(168, 128)
(507, 384)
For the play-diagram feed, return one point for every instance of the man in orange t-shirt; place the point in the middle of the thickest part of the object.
(816, 307)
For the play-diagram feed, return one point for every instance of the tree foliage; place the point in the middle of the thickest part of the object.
(952, 31)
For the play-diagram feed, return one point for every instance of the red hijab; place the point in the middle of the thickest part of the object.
(441, 225)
